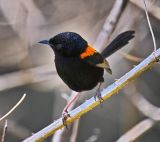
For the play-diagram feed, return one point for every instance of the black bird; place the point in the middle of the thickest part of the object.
(78, 64)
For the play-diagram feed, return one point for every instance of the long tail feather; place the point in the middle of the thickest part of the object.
(120, 41)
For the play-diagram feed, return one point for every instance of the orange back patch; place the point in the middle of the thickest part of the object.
(88, 52)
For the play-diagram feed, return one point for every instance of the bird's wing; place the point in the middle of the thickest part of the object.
(92, 57)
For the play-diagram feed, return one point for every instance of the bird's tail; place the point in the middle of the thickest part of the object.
(120, 41)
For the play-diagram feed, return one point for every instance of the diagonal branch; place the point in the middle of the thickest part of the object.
(91, 103)
(110, 23)
(13, 108)
(149, 110)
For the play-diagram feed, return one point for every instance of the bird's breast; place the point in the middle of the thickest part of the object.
(78, 75)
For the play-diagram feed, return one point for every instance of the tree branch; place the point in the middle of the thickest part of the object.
(110, 24)
(4, 131)
(153, 9)
(73, 137)
(13, 108)
(91, 103)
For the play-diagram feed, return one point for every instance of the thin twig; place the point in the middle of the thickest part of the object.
(153, 9)
(13, 108)
(4, 131)
(150, 27)
(73, 137)
(17, 130)
(131, 57)
(91, 103)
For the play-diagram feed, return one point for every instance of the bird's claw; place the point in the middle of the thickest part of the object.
(65, 116)
(98, 95)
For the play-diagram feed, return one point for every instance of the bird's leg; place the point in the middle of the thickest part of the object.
(98, 94)
(65, 113)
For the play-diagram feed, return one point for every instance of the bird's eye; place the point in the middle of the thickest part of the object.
(59, 46)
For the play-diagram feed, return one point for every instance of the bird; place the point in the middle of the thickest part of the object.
(79, 64)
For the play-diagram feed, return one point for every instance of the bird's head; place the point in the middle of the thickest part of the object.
(67, 44)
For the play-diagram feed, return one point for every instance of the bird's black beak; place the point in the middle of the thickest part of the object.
(44, 42)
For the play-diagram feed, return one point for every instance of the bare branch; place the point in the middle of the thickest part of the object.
(152, 8)
(131, 57)
(109, 24)
(13, 108)
(150, 27)
(4, 131)
(73, 137)
(149, 110)
(17, 130)
(91, 103)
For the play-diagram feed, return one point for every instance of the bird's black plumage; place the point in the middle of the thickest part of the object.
(78, 64)
(68, 44)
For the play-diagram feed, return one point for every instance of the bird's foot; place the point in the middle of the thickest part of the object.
(65, 116)
(98, 95)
